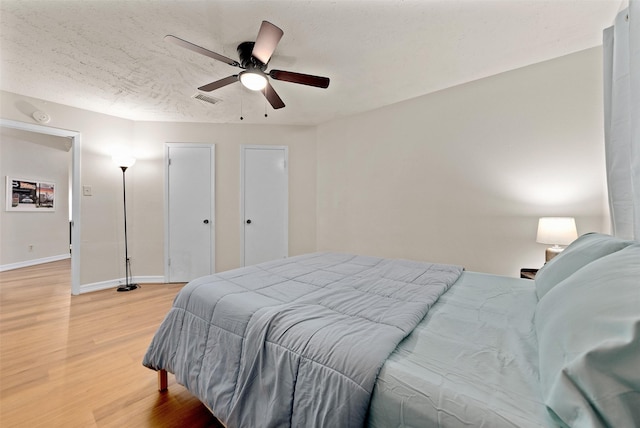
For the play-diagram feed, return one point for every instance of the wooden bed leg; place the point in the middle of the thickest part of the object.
(163, 385)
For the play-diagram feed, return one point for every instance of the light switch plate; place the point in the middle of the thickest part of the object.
(86, 190)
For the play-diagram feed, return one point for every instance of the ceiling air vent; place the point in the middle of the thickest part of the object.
(206, 99)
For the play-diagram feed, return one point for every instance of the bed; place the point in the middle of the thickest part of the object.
(333, 339)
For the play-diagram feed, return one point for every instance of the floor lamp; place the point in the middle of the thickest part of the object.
(125, 162)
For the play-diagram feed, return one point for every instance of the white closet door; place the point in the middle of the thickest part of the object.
(265, 204)
(190, 211)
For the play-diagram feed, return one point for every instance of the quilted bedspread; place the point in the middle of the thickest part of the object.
(295, 342)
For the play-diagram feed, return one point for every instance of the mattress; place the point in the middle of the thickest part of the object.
(472, 361)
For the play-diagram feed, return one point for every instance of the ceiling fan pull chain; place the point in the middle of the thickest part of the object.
(241, 118)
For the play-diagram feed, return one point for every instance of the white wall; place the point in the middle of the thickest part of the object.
(462, 175)
(30, 236)
(458, 176)
(147, 176)
(102, 248)
(101, 251)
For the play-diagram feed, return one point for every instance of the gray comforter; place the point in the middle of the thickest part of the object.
(295, 342)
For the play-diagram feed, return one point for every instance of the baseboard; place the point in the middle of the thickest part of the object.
(34, 262)
(114, 283)
(85, 288)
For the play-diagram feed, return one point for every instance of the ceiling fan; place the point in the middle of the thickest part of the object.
(254, 57)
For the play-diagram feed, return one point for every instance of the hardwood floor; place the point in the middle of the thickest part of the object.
(76, 361)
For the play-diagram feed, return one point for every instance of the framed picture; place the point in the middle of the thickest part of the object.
(30, 195)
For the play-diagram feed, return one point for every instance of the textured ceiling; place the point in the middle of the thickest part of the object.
(110, 57)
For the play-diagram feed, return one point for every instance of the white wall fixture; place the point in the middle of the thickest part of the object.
(41, 117)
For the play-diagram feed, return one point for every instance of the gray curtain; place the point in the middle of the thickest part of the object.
(622, 120)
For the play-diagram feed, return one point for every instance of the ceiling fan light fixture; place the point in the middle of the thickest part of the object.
(254, 57)
(254, 80)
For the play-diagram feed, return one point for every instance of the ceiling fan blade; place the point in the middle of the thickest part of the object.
(195, 48)
(219, 83)
(273, 98)
(266, 42)
(303, 79)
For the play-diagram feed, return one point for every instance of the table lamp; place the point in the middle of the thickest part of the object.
(556, 231)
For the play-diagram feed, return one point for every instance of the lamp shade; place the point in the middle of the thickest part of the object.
(557, 230)
(123, 160)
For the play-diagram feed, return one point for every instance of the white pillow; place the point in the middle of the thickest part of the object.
(582, 251)
(588, 329)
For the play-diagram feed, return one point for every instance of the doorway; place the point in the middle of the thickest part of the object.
(264, 204)
(75, 187)
(190, 209)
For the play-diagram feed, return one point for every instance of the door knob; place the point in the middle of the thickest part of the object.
(248, 221)
(206, 221)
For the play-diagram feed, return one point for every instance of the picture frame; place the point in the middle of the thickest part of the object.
(30, 195)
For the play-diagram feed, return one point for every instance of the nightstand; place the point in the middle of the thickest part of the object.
(528, 273)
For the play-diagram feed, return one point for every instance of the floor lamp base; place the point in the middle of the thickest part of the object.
(127, 287)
